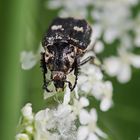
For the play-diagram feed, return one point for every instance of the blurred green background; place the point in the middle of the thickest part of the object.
(21, 28)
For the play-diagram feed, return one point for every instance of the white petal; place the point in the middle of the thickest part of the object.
(63, 110)
(112, 65)
(84, 101)
(100, 133)
(126, 41)
(67, 96)
(137, 41)
(27, 111)
(86, 87)
(42, 115)
(125, 74)
(97, 31)
(82, 133)
(76, 92)
(133, 2)
(22, 136)
(28, 60)
(92, 136)
(96, 15)
(105, 104)
(93, 114)
(135, 60)
(108, 89)
(99, 47)
(53, 4)
(97, 89)
(110, 35)
(82, 79)
(29, 129)
(109, 86)
(98, 73)
(84, 117)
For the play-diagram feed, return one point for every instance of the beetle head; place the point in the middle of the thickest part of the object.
(58, 78)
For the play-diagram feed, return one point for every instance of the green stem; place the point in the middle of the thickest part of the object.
(12, 38)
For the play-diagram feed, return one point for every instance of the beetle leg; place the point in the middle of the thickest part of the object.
(69, 84)
(44, 70)
(76, 72)
(45, 86)
(86, 60)
(90, 57)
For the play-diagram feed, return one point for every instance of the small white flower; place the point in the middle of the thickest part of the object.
(89, 130)
(103, 91)
(78, 105)
(99, 47)
(112, 65)
(125, 73)
(22, 136)
(91, 82)
(42, 118)
(67, 96)
(55, 124)
(29, 129)
(126, 41)
(86, 118)
(76, 92)
(27, 112)
(92, 136)
(106, 103)
(84, 101)
(97, 31)
(82, 133)
(121, 66)
(54, 4)
(110, 35)
(68, 4)
(28, 60)
(135, 60)
(137, 40)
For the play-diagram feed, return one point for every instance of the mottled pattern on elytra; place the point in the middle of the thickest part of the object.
(73, 31)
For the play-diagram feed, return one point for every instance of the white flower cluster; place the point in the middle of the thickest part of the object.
(26, 125)
(91, 83)
(119, 66)
(72, 120)
(60, 123)
(55, 124)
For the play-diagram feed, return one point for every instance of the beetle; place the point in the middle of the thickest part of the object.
(64, 43)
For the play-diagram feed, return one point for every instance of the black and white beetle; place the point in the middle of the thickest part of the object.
(64, 43)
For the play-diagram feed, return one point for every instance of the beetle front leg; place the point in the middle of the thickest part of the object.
(44, 70)
(76, 72)
(86, 60)
(69, 84)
